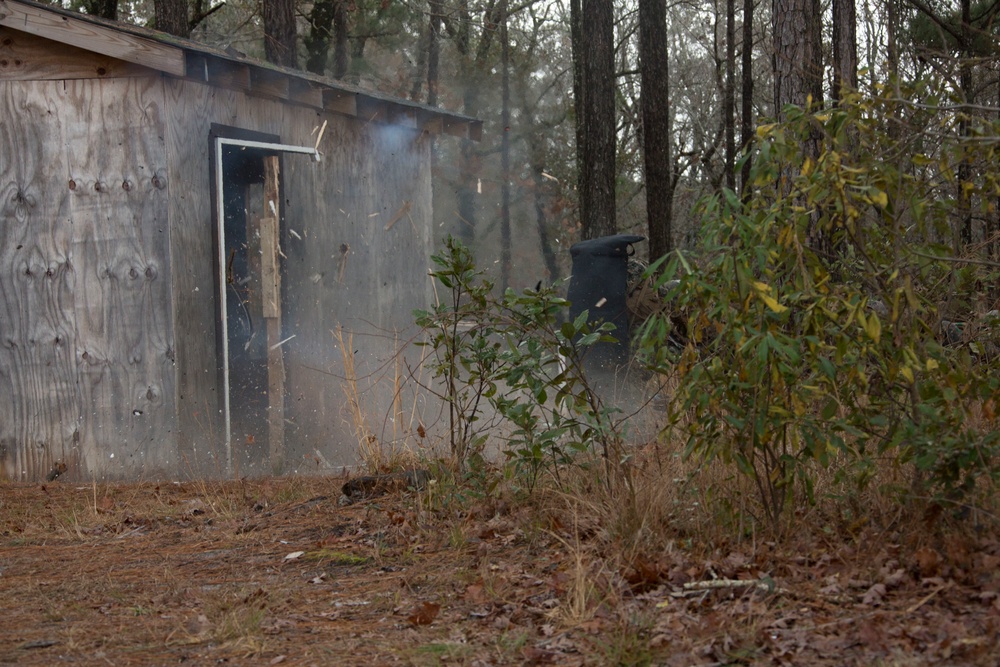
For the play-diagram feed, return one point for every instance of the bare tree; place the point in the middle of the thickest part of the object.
(655, 77)
(595, 52)
(729, 95)
(845, 47)
(746, 94)
(505, 240)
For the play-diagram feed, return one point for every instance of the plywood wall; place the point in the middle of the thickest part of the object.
(356, 244)
(86, 328)
(108, 341)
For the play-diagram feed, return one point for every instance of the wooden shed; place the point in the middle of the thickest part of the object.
(183, 232)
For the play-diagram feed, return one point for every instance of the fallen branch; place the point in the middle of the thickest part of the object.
(692, 588)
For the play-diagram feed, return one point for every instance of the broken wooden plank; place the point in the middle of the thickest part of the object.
(271, 293)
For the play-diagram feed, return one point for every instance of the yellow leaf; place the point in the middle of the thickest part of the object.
(773, 304)
(932, 364)
(764, 130)
(874, 328)
(761, 287)
(907, 373)
(881, 198)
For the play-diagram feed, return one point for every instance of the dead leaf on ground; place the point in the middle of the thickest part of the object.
(873, 596)
(538, 656)
(928, 561)
(424, 614)
(475, 593)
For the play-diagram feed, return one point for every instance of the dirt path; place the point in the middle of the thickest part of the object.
(277, 572)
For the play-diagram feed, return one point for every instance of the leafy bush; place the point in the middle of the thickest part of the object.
(814, 311)
(507, 367)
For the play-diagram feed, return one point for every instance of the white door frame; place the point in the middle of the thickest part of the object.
(220, 213)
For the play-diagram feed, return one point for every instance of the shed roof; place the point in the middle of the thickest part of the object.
(187, 59)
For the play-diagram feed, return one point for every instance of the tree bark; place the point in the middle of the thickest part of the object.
(729, 97)
(968, 96)
(654, 72)
(171, 16)
(341, 54)
(746, 112)
(279, 32)
(106, 9)
(505, 239)
(434, 51)
(597, 161)
(845, 47)
(798, 54)
(576, 40)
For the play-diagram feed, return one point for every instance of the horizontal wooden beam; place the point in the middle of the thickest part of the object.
(464, 129)
(372, 109)
(229, 74)
(92, 37)
(267, 83)
(305, 92)
(402, 115)
(340, 101)
(28, 57)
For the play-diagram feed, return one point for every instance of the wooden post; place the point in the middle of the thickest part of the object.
(270, 271)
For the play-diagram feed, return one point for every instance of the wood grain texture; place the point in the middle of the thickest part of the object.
(108, 314)
(92, 37)
(27, 57)
(270, 250)
(88, 347)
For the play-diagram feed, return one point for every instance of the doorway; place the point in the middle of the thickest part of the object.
(249, 220)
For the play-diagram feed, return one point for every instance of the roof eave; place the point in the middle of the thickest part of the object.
(187, 59)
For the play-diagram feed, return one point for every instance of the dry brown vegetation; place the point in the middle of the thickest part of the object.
(277, 571)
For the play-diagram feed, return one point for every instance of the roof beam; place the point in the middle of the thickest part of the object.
(266, 83)
(340, 101)
(306, 93)
(93, 37)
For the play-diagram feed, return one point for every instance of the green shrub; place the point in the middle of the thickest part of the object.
(813, 310)
(507, 367)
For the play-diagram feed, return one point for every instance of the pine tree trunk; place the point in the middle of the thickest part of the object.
(746, 111)
(597, 162)
(845, 47)
(655, 77)
(279, 32)
(798, 53)
(434, 51)
(729, 97)
(171, 16)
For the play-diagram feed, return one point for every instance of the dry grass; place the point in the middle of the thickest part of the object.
(150, 574)
(378, 455)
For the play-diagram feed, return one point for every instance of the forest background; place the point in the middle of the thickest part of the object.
(819, 178)
(818, 184)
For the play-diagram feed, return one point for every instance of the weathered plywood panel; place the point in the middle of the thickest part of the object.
(355, 237)
(362, 267)
(194, 107)
(86, 368)
(27, 57)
